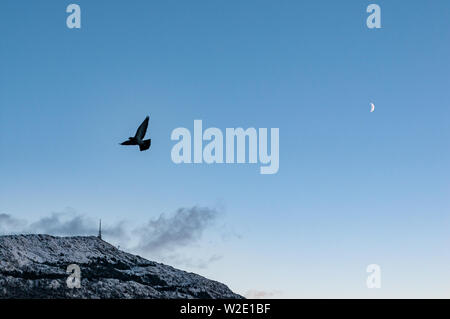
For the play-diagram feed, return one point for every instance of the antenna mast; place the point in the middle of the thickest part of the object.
(100, 230)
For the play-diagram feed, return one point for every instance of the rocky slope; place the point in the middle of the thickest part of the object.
(34, 266)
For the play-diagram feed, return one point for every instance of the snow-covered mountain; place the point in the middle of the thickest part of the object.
(34, 266)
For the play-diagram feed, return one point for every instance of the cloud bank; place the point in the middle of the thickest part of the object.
(180, 229)
(262, 294)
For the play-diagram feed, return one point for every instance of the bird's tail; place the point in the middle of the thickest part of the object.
(145, 145)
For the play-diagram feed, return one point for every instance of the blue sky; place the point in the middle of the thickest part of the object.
(354, 188)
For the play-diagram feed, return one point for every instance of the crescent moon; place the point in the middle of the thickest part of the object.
(372, 107)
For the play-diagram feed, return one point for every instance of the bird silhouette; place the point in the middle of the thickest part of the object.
(138, 138)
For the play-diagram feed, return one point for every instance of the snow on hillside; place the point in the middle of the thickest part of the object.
(34, 266)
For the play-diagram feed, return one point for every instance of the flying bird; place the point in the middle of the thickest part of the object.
(138, 138)
(372, 107)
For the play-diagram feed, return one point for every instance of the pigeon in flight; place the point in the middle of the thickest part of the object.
(138, 139)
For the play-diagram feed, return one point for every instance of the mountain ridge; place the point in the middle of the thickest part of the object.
(35, 266)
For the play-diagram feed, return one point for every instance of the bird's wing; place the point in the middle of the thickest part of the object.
(128, 142)
(140, 133)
